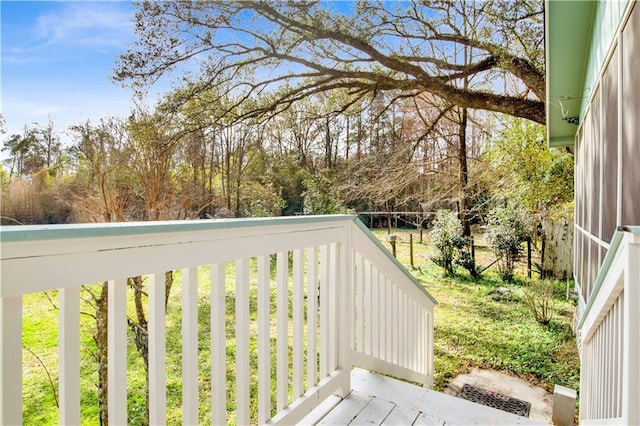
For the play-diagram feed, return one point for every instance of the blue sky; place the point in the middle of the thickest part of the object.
(57, 58)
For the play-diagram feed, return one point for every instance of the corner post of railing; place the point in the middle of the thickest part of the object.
(10, 360)
(345, 315)
(631, 351)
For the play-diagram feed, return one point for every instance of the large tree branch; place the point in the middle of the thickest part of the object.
(312, 51)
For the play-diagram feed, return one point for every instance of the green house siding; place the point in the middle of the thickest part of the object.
(593, 73)
(579, 36)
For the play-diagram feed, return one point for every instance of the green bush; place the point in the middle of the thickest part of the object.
(507, 228)
(447, 236)
(321, 195)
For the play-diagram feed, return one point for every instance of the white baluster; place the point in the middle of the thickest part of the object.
(10, 360)
(157, 350)
(218, 345)
(190, 346)
(264, 344)
(324, 311)
(298, 323)
(282, 344)
(360, 302)
(69, 350)
(242, 342)
(312, 316)
(117, 352)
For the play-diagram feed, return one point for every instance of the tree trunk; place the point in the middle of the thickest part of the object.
(463, 175)
(141, 327)
(101, 339)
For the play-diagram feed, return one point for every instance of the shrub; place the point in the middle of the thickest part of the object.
(507, 228)
(466, 259)
(322, 195)
(539, 298)
(447, 236)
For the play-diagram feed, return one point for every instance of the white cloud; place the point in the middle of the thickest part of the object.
(67, 28)
(89, 24)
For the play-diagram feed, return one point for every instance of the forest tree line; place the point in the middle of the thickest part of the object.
(381, 156)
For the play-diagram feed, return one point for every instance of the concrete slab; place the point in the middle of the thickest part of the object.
(541, 400)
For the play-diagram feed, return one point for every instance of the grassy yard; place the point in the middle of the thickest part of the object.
(473, 329)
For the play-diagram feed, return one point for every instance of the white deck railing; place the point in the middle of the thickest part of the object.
(341, 301)
(610, 338)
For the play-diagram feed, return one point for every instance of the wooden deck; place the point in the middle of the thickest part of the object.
(381, 400)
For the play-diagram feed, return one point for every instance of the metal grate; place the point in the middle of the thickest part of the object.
(495, 400)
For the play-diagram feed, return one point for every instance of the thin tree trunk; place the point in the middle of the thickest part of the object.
(463, 175)
(141, 327)
(101, 339)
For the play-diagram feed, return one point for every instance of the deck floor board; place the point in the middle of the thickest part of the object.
(377, 400)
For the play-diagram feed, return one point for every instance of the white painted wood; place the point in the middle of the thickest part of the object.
(320, 411)
(430, 343)
(375, 412)
(395, 327)
(336, 309)
(117, 352)
(324, 311)
(376, 364)
(298, 323)
(69, 355)
(303, 406)
(243, 399)
(10, 358)
(388, 312)
(609, 291)
(347, 410)
(564, 406)
(404, 360)
(401, 416)
(135, 254)
(619, 360)
(360, 302)
(399, 276)
(375, 313)
(190, 346)
(132, 252)
(282, 345)
(157, 350)
(110, 237)
(368, 308)
(420, 339)
(344, 328)
(264, 344)
(631, 342)
(218, 345)
(602, 422)
(425, 419)
(452, 410)
(312, 316)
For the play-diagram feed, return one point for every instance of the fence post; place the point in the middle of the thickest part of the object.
(411, 249)
(529, 258)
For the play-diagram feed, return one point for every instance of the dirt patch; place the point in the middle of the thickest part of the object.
(541, 401)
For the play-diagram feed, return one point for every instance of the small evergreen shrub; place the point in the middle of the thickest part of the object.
(466, 259)
(447, 236)
(507, 228)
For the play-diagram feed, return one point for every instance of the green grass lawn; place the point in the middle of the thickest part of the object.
(472, 329)
(476, 329)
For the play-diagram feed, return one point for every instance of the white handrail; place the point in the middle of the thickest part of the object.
(336, 263)
(609, 346)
